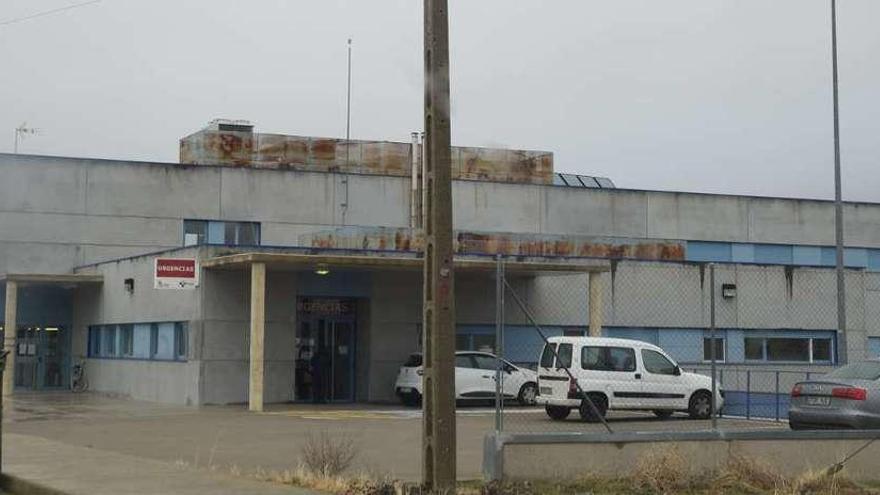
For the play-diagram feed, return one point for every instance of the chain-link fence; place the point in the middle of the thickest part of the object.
(672, 333)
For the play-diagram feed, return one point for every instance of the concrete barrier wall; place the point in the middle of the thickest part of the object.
(788, 453)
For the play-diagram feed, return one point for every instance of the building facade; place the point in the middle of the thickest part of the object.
(336, 226)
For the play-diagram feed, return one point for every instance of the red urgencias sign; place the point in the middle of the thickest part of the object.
(176, 273)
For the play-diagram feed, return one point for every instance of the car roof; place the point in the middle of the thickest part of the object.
(602, 342)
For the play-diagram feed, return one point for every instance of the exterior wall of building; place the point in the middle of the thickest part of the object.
(110, 303)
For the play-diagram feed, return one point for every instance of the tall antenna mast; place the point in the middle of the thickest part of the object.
(348, 102)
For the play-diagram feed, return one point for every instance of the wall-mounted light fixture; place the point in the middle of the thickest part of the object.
(728, 291)
(322, 269)
(129, 285)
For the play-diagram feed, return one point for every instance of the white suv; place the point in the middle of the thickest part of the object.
(474, 379)
(618, 374)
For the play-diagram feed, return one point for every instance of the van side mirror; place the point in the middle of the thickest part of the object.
(677, 371)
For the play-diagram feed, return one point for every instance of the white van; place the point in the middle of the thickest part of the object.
(618, 374)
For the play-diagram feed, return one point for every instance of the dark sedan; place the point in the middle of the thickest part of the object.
(848, 397)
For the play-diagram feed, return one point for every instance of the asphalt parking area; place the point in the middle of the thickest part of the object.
(388, 437)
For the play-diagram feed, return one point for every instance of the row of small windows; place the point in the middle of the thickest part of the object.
(196, 232)
(151, 341)
(781, 254)
(694, 345)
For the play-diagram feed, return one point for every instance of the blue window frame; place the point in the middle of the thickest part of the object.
(196, 232)
(167, 341)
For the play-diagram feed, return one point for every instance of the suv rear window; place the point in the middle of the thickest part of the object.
(548, 355)
(608, 358)
(414, 361)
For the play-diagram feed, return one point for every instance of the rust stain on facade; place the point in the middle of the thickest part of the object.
(277, 151)
(508, 244)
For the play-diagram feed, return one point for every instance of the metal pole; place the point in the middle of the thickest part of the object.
(748, 394)
(499, 343)
(777, 396)
(3, 353)
(438, 429)
(712, 356)
(838, 200)
(348, 104)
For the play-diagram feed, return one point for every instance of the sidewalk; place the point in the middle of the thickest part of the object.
(88, 471)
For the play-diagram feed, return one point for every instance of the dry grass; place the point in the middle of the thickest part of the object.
(661, 471)
(328, 457)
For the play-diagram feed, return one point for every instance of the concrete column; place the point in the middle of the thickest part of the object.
(9, 334)
(596, 306)
(258, 330)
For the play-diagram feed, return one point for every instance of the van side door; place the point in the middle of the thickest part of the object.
(613, 371)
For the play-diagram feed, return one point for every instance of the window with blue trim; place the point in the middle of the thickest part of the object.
(153, 341)
(196, 232)
(789, 349)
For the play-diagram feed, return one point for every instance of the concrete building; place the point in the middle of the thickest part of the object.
(310, 247)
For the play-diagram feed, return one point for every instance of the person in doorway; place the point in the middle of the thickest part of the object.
(321, 375)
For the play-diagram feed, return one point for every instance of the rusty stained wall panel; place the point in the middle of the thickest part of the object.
(534, 167)
(277, 151)
(494, 243)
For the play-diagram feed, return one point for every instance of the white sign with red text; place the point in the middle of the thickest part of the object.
(176, 273)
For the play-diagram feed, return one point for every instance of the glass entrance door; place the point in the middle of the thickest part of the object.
(40, 360)
(325, 361)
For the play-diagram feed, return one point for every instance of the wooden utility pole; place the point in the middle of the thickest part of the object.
(438, 405)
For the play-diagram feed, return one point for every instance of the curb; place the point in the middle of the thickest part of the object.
(18, 486)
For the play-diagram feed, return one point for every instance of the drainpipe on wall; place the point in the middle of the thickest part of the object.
(415, 210)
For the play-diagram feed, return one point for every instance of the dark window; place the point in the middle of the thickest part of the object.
(463, 342)
(781, 349)
(218, 232)
(126, 340)
(754, 349)
(94, 341)
(180, 341)
(822, 350)
(548, 356)
(707, 349)
(108, 341)
(414, 361)
(464, 361)
(154, 339)
(195, 232)
(608, 359)
(657, 363)
(572, 333)
(564, 359)
(485, 362)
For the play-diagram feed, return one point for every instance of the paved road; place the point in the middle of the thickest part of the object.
(388, 437)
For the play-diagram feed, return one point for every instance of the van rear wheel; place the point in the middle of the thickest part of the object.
(557, 413)
(596, 413)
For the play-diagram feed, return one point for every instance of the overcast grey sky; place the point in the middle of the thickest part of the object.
(698, 95)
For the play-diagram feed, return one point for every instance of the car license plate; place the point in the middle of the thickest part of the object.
(546, 391)
(819, 401)
(405, 390)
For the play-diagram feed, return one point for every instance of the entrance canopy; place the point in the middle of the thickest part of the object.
(288, 261)
(258, 263)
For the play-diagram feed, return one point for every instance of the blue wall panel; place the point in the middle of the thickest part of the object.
(649, 335)
(874, 346)
(742, 253)
(773, 254)
(874, 259)
(855, 257)
(684, 345)
(807, 255)
(708, 251)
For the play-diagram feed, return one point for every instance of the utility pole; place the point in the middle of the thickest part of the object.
(838, 202)
(438, 404)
